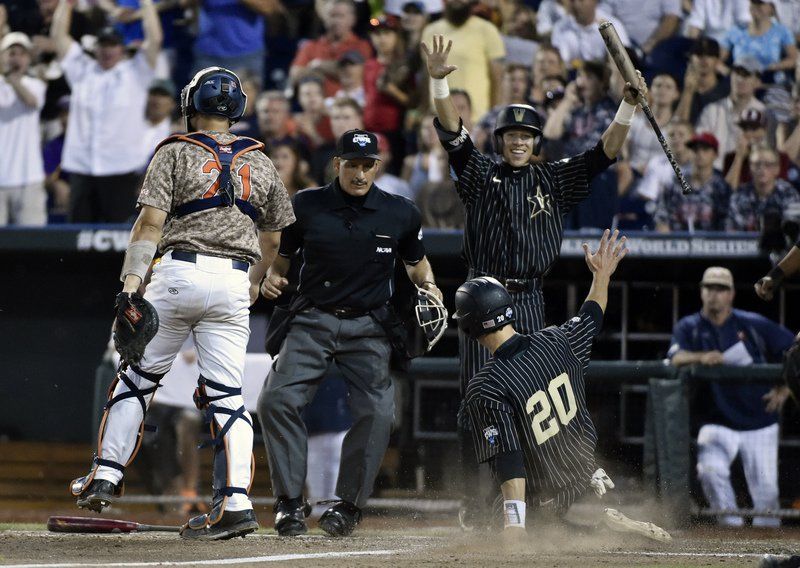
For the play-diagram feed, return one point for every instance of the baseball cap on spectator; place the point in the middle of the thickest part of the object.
(706, 46)
(752, 117)
(413, 7)
(384, 23)
(749, 65)
(705, 139)
(351, 57)
(16, 38)
(109, 36)
(717, 276)
(355, 144)
(162, 87)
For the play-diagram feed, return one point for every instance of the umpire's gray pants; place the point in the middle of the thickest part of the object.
(361, 351)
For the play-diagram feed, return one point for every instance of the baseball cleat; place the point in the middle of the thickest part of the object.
(231, 525)
(340, 519)
(98, 495)
(290, 516)
(616, 521)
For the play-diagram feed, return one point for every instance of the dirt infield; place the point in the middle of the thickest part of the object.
(423, 546)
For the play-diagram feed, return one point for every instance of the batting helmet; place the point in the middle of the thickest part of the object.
(213, 90)
(482, 305)
(522, 117)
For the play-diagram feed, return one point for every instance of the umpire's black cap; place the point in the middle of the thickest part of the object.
(355, 144)
(483, 305)
(518, 116)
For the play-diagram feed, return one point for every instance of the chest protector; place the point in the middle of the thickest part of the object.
(224, 155)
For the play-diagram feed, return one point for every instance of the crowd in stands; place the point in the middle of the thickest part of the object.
(89, 88)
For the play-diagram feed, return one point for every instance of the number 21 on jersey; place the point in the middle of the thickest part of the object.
(544, 424)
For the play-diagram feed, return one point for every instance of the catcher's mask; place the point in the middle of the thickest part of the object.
(520, 117)
(431, 316)
(483, 305)
(213, 90)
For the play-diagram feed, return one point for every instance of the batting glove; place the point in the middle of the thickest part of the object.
(600, 482)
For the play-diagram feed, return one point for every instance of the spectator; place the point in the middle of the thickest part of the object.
(769, 42)
(477, 52)
(739, 419)
(463, 104)
(429, 164)
(158, 113)
(351, 78)
(231, 35)
(321, 55)
(702, 84)
(275, 122)
(647, 23)
(37, 20)
(518, 33)
(345, 114)
(388, 88)
(704, 209)
(549, 14)
(57, 181)
(399, 7)
(720, 118)
(389, 182)
(547, 63)
(103, 150)
(658, 174)
(736, 166)
(23, 200)
(515, 89)
(291, 167)
(765, 195)
(313, 122)
(714, 18)
(642, 144)
(788, 13)
(412, 21)
(248, 124)
(576, 35)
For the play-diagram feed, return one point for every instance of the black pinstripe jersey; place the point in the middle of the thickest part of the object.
(514, 216)
(530, 396)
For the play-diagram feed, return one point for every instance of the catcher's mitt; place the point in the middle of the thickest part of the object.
(135, 324)
(791, 369)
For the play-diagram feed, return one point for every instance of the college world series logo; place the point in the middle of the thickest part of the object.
(361, 139)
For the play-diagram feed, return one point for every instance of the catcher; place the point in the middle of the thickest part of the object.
(214, 205)
(765, 289)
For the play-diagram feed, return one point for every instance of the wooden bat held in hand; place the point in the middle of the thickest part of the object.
(95, 525)
(626, 68)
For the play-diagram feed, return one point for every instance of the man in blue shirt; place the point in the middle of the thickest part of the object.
(740, 418)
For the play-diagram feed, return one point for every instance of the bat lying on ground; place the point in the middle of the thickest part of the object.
(626, 68)
(95, 525)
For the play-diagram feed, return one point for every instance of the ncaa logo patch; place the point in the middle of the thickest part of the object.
(361, 139)
(491, 434)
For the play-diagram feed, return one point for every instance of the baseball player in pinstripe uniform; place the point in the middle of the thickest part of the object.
(514, 209)
(527, 405)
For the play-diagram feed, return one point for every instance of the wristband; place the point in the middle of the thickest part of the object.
(440, 88)
(137, 259)
(624, 113)
(514, 513)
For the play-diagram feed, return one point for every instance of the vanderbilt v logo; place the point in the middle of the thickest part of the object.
(519, 114)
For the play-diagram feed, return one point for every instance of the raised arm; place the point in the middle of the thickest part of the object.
(59, 29)
(614, 136)
(602, 263)
(153, 34)
(438, 70)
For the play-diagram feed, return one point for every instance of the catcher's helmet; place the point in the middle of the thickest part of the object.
(213, 90)
(482, 305)
(518, 116)
(431, 316)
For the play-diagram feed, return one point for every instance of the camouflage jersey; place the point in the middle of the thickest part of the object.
(181, 172)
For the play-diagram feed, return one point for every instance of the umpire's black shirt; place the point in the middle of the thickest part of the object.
(348, 244)
(514, 216)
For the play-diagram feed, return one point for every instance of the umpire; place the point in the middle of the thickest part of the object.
(514, 209)
(348, 234)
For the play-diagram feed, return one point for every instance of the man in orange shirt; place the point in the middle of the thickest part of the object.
(321, 55)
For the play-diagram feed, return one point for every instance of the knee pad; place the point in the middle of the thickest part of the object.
(220, 438)
(79, 485)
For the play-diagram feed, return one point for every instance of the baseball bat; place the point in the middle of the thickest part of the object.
(96, 525)
(625, 66)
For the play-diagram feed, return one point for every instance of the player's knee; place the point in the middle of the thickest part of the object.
(711, 470)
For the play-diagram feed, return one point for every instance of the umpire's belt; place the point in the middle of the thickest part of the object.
(187, 256)
(513, 285)
(344, 313)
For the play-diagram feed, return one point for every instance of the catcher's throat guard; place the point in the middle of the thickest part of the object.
(431, 317)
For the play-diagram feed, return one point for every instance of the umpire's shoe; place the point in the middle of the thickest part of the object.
(340, 519)
(290, 516)
(98, 495)
(231, 525)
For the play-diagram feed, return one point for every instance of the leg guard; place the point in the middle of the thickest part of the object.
(230, 479)
(121, 389)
